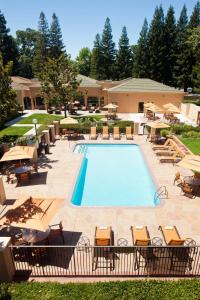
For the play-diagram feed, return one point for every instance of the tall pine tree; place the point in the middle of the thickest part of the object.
(124, 57)
(141, 66)
(170, 36)
(108, 52)
(96, 58)
(55, 38)
(84, 61)
(195, 17)
(157, 47)
(8, 46)
(42, 45)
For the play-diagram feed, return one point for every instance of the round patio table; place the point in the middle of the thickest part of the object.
(23, 169)
(32, 236)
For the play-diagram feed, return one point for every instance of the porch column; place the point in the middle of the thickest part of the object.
(6, 262)
(85, 100)
(52, 133)
(32, 104)
(2, 191)
(56, 125)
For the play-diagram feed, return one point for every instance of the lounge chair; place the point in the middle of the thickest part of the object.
(103, 256)
(171, 235)
(105, 134)
(56, 230)
(165, 152)
(93, 133)
(170, 159)
(144, 254)
(177, 178)
(129, 135)
(165, 146)
(116, 134)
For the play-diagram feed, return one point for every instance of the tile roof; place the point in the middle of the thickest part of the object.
(87, 81)
(142, 85)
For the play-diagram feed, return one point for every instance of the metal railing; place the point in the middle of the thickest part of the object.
(106, 261)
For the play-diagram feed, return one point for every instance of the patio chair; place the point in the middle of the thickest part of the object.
(105, 134)
(23, 178)
(56, 230)
(177, 178)
(180, 254)
(165, 146)
(170, 159)
(93, 133)
(168, 152)
(116, 134)
(129, 135)
(144, 255)
(103, 256)
(187, 189)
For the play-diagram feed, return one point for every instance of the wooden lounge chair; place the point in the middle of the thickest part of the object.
(56, 230)
(165, 146)
(129, 135)
(103, 256)
(171, 236)
(169, 159)
(105, 134)
(93, 133)
(165, 152)
(116, 134)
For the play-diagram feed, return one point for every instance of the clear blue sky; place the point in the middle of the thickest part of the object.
(81, 20)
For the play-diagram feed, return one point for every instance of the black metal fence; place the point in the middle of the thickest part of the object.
(106, 261)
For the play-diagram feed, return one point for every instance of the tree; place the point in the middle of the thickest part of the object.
(141, 58)
(42, 45)
(124, 57)
(26, 41)
(195, 17)
(157, 47)
(183, 69)
(8, 103)
(59, 80)
(55, 38)
(8, 47)
(96, 58)
(84, 61)
(170, 37)
(108, 52)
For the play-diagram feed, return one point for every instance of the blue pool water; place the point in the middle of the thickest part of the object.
(113, 175)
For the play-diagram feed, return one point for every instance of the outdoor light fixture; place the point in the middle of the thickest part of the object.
(34, 121)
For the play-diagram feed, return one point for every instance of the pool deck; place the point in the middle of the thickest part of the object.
(57, 173)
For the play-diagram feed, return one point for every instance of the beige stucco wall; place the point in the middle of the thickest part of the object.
(129, 102)
(190, 110)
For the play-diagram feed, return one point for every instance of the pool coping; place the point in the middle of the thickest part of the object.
(71, 190)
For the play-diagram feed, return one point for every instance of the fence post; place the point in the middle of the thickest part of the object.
(6, 262)
(2, 191)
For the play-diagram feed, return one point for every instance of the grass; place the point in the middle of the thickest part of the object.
(43, 119)
(15, 130)
(151, 290)
(192, 143)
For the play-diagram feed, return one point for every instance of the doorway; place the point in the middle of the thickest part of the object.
(141, 107)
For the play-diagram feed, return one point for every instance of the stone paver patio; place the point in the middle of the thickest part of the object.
(56, 177)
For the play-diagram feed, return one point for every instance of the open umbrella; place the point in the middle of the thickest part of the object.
(110, 106)
(32, 213)
(148, 104)
(191, 162)
(154, 108)
(171, 108)
(157, 125)
(19, 153)
(68, 120)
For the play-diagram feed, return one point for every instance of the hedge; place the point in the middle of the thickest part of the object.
(84, 128)
(141, 289)
(179, 129)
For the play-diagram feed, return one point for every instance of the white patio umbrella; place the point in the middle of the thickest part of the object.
(68, 120)
(111, 106)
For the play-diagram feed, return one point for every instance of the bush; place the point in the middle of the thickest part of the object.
(164, 132)
(179, 129)
(191, 134)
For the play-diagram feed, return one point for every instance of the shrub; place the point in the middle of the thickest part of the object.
(191, 134)
(179, 129)
(164, 132)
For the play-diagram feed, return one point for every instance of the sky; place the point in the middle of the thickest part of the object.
(81, 20)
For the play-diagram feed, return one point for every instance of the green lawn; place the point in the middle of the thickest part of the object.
(192, 143)
(44, 119)
(15, 130)
(141, 290)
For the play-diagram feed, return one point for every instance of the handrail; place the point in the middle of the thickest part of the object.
(161, 192)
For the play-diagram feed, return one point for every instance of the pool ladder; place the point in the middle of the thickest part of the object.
(161, 193)
(83, 150)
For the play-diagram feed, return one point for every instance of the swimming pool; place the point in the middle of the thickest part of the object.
(113, 175)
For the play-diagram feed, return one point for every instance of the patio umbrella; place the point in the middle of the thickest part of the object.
(171, 108)
(19, 153)
(32, 213)
(157, 125)
(68, 120)
(111, 106)
(154, 108)
(147, 105)
(191, 162)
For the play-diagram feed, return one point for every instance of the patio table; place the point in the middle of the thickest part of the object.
(32, 236)
(23, 169)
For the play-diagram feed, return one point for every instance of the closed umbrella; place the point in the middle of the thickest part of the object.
(68, 120)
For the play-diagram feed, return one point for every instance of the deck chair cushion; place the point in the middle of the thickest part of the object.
(177, 242)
